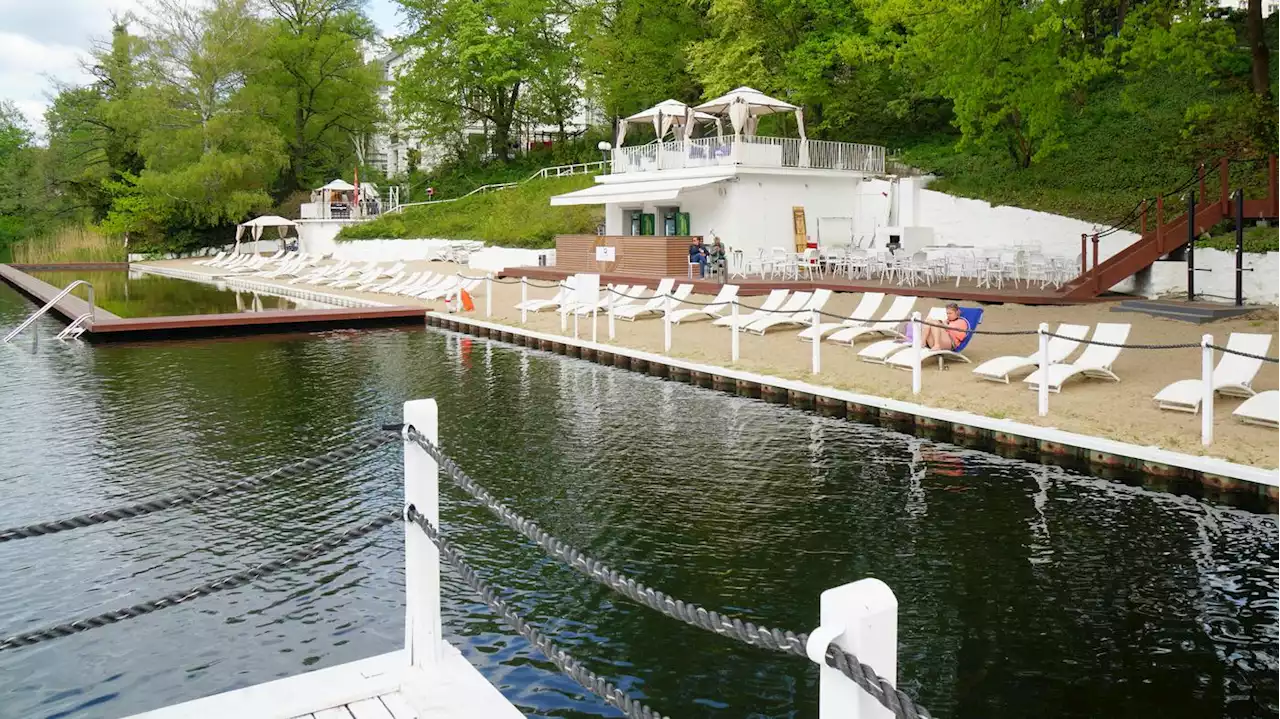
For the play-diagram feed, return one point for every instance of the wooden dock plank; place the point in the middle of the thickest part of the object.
(399, 708)
(369, 709)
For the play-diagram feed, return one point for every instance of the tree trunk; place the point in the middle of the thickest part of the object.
(1258, 49)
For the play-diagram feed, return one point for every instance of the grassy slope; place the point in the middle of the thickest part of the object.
(1120, 149)
(518, 217)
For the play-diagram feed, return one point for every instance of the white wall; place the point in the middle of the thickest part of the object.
(762, 205)
(496, 259)
(1260, 286)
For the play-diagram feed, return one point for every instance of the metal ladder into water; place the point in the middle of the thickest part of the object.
(71, 331)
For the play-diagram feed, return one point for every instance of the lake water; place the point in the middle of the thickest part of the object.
(1024, 590)
(135, 294)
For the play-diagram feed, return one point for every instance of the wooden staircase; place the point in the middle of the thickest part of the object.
(1167, 235)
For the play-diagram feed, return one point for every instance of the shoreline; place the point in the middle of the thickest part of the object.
(1051, 443)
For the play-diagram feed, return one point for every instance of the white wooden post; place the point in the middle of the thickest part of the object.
(1206, 402)
(563, 309)
(575, 322)
(916, 342)
(594, 312)
(422, 635)
(488, 295)
(814, 319)
(524, 299)
(611, 323)
(733, 343)
(861, 618)
(1042, 391)
(666, 322)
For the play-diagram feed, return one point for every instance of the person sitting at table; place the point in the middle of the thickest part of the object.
(698, 255)
(716, 256)
(945, 338)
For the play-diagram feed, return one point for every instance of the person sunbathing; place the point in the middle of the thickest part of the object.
(946, 338)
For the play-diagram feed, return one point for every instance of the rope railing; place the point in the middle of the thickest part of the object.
(631, 707)
(788, 642)
(192, 496)
(173, 599)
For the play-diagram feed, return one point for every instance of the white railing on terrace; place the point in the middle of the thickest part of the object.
(750, 152)
(581, 168)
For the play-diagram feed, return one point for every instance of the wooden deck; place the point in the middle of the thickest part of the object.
(108, 327)
(967, 291)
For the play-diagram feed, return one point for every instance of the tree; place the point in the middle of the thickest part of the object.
(1260, 59)
(473, 60)
(16, 154)
(328, 94)
(634, 52)
(1008, 68)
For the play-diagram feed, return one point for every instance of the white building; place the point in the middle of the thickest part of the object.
(753, 192)
(391, 147)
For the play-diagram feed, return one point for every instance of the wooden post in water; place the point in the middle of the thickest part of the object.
(422, 635)
(861, 618)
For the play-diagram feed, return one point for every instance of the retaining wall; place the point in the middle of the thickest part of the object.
(1211, 478)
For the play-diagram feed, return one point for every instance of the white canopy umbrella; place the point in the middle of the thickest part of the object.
(744, 106)
(256, 225)
(663, 116)
(339, 185)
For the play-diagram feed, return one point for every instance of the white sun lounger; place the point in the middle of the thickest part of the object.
(209, 261)
(723, 298)
(365, 277)
(794, 303)
(606, 298)
(1263, 408)
(232, 260)
(774, 301)
(410, 281)
(898, 312)
(396, 282)
(392, 270)
(1232, 377)
(564, 294)
(656, 304)
(378, 281)
(451, 289)
(860, 317)
(287, 269)
(425, 285)
(1060, 347)
(880, 352)
(802, 316)
(1095, 361)
(321, 273)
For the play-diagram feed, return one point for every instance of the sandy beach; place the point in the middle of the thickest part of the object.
(1122, 411)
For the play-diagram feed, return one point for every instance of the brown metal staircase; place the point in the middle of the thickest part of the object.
(1167, 235)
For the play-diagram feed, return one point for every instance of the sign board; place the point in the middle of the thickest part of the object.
(587, 290)
(606, 254)
(797, 219)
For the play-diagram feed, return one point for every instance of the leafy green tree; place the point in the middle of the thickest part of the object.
(327, 93)
(16, 154)
(473, 62)
(634, 52)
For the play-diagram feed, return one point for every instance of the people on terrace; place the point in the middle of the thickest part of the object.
(946, 338)
(716, 256)
(698, 255)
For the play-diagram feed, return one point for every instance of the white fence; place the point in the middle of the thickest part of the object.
(750, 152)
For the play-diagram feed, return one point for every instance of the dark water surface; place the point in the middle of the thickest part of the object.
(1024, 590)
(134, 294)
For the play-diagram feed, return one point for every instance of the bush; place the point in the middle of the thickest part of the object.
(518, 217)
(69, 244)
(1256, 239)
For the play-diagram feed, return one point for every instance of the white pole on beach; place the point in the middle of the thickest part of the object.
(611, 323)
(666, 321)
(563, 310)
(814, 319)
(594, 312)
(488, 296)
(1206, 403)
(575, 323)
(916, 343)
(1042, 391)
(524, 298)
(733, 344)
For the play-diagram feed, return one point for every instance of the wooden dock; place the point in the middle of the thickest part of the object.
(107, 327)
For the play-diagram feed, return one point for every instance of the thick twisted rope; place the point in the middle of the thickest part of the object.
(1228, 350)
(903, 706)
(1182, 346)
(231, 581)
(631, 707)
(191, 496)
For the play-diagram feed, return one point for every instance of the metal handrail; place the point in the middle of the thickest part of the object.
(49, 305)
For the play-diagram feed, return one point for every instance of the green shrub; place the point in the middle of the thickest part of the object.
(517, 217)
(1256, 239)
